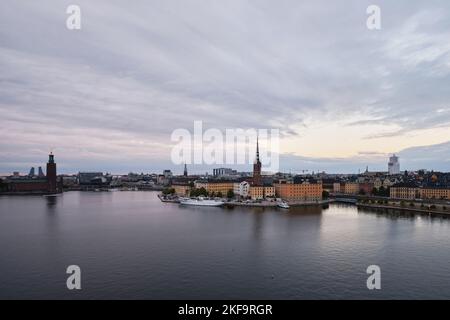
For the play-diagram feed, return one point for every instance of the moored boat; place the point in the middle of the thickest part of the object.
(201, 202)
(282, 205)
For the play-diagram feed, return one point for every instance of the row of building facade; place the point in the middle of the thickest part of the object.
(288, 191)
(411, 193)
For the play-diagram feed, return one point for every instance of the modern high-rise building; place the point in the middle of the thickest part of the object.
(220, 172)
(393, 165)
(31, 173)
(185, 173)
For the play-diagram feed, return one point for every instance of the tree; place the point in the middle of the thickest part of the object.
(193, 193)
(374, 191)
(203, 192)
(167, 191)
(230, 194)
(3, 186)
(325, 194)
(362, 192)
(383, 192)
(219, 194)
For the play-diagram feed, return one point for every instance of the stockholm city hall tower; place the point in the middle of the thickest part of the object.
(51, 174)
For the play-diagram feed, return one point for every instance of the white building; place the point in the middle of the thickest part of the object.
(393, 165)
(242, 189)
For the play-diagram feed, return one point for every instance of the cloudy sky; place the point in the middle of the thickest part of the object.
(107, 97)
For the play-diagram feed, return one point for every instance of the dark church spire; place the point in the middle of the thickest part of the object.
(257, 148)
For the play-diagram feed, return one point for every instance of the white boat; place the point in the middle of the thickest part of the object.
(201, 202)
(283, 205)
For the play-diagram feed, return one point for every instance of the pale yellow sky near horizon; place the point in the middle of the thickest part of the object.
(337, 140)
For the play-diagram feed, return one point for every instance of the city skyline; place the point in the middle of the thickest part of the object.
(194, 169)
(343, 96)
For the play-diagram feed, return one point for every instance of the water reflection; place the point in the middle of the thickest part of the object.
(194, 253)
(51, 202)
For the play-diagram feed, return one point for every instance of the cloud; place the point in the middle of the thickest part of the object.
(115, 90)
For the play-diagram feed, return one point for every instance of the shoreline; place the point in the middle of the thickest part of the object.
(263, 204)
(413, 210)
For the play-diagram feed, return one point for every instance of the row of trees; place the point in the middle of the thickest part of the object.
(168, 191)
(202, 192)
(3, 186)
(381, 192)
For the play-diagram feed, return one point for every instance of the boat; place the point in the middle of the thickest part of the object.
(52, 195)
(201, 202)
(282, 205)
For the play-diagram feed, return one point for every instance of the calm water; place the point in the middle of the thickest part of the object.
(130, 245)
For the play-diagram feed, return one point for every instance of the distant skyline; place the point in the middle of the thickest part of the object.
(108, 96)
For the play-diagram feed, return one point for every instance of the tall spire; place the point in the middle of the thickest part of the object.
(185, 173)
(257, 148)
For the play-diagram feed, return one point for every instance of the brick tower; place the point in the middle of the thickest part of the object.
(51, 174)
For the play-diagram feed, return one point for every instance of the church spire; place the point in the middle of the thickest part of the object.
(257, 148)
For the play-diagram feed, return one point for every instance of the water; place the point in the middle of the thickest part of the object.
(130, 245)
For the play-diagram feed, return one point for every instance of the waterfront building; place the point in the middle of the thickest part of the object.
(269, 192)
(87, 178)
(256, 192)
(393, 165)
(241, 189)
(299, 191)
(404, 192)
(215, 186)
(182, 190)
(261, 192)
(350, 188)
(414, 192)
(69, 181)
(337, 187)
(366, 188)
(434, 193)
(39, 184)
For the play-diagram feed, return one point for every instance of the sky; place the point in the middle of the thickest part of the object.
(107, 97)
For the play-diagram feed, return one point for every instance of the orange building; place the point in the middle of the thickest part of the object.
(350, 188)
(215, 186)
(181, 190)
(260, 192)
(419, 193)
(409, 193)
(434, 193)
(299, 192)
